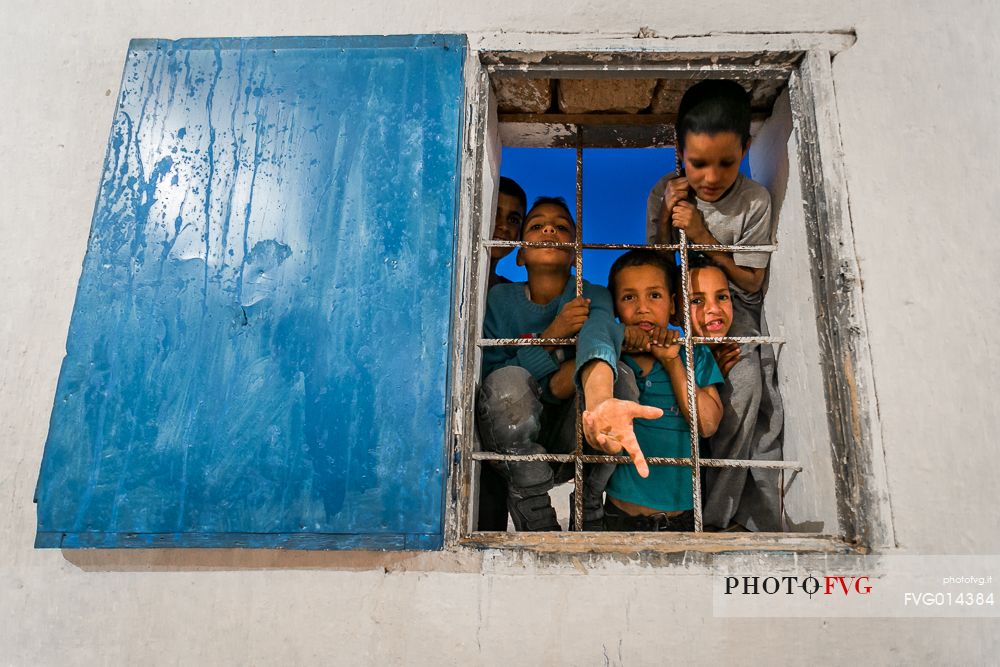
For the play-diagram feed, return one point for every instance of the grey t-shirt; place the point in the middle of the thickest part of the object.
(742, 217)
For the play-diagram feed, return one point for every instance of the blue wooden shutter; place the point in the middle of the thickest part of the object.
(258, 354)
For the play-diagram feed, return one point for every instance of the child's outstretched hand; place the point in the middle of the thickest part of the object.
(664, 345)
(726, 355)
(636, 340)
(609, 428)
(686, 216)
(570, 319)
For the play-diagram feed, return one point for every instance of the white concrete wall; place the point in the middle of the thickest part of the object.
(918, 103)
(790, 310)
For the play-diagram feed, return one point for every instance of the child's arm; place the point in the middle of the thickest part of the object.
(607, 421)
(666, 350)
(675, 190)
(567, 323)
(677, 211)
(501, 322)
(655, 212)
(663, 226)
(635, 340)
(686, 216)
(561, 383)
(726, 355)
(571, 318)
(537, 360)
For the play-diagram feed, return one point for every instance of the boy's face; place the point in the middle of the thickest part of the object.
(547, 222)
(712, 162)
(642, 297)
(711, 303)
(510, 215)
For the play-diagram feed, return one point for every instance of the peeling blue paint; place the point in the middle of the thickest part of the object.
(258, 351)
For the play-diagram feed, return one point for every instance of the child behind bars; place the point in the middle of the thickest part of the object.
(715, 204)
(640, 283)
(525, 404)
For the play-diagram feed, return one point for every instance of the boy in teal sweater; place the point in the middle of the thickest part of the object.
(525, 403)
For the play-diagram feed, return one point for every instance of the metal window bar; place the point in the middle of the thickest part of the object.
(652, 460)
(689, 368)
(578, 465)
(630, 246)
(697, 340)
(578, 458)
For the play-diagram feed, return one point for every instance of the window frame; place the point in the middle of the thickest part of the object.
(849, 392)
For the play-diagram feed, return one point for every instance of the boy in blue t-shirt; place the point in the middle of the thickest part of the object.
(525, 404)
(640, 284)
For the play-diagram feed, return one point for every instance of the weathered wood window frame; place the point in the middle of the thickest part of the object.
(806, 62)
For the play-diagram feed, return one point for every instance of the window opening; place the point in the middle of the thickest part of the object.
(578, 458)
(617, 183)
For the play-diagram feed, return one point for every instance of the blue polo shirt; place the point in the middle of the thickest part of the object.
(668, 488)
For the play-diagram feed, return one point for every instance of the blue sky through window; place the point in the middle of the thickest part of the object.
(616, 183)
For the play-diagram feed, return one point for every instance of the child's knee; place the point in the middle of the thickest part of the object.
(626, 386)
(509, 410)
(509, 384)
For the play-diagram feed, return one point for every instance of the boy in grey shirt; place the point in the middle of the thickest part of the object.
(715, 204)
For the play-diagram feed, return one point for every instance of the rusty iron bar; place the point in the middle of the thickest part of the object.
(691, 246)
(524, 342)
(528, 244)
(579, 405)
(689, 361)
(705, 340)
(578, 244)
(696, 340)
(691, 389)
(631, 246)
(652, 460)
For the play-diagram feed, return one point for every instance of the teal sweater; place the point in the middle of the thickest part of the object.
(509, 314)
